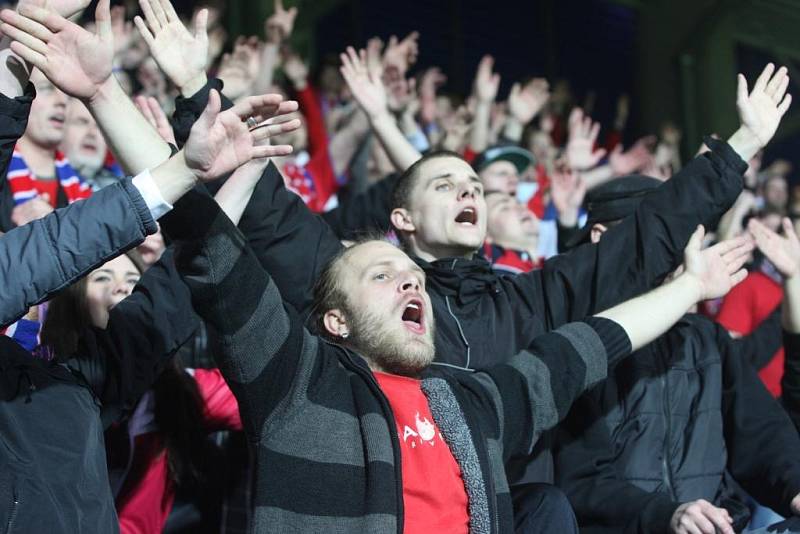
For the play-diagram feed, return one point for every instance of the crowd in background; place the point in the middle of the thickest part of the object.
(555, 218)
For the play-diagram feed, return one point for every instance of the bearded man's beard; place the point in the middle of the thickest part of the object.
(388, 347)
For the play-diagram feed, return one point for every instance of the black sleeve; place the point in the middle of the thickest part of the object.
(13, 121)
(565, 234)
(585, 471)
(636, 254)
(760, 346)
(292, 243)
(762, 442)
(790, 382)
(364, 212)
(187, 110)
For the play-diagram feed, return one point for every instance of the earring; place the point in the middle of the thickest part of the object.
(344, 335)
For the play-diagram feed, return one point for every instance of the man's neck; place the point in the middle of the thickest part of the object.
(431, 254)
(40, 160)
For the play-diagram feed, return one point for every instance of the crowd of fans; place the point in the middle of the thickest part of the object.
(369, 306)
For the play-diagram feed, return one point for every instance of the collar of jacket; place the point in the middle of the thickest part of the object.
(464, 279)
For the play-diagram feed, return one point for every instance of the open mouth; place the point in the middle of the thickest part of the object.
(413, 316)
(467, 216)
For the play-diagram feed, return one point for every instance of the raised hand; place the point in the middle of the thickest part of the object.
(75, 60)
(567, 191)
(221, 141)
(782, 250)
(583, 133)
(278, 27)
(525, 102)
(637, 157)
(486, 82)
(181, 54)
(399, 56)
(152, 111)
(65, 8)
(717, 268)
(364, 83)
(761, 110)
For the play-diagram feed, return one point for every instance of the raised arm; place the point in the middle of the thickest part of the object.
(784, 253)
(641, 250)
(79, 63)
(181, 54)
(365, 83)
(236, 295)
(290, 241)
(49, 254)
(706, 275)
(484, 92)
(536, 388)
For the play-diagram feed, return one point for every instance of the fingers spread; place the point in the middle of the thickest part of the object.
(26, 25)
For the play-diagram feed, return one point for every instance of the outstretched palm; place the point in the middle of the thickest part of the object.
(783, 251)
(717, 268)
(761, 110)
(364, 83)
(180, 54)
(77, 61)
(221, 142)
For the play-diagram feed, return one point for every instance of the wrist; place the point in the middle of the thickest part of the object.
(691, 286)
(381, 118)
(745, 143)
(568, 218)
(174, 177)
(108, 92)
(513, 129)
(193, 86)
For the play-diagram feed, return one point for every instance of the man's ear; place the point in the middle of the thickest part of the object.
(597, 232)
(336, 323)
(401, 220)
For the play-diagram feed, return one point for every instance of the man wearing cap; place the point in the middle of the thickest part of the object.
(657, 446)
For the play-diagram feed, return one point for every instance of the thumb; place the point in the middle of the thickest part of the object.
(212, 108)
(696, 241)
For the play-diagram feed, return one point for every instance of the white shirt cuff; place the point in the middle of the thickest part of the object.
(152, 196)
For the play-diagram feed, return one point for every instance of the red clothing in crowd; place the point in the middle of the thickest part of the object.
(146, 498)
(313, 180)
(742, 311)
(434, 497)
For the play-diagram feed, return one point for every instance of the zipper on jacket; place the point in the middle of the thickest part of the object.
(13, 515)
(666, 464)
(460, 330)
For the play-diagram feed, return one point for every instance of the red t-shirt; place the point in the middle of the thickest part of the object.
(434, 497)
(742, 311)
